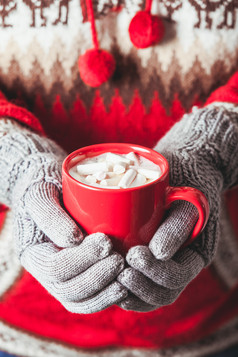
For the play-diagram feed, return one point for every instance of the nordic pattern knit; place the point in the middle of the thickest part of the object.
(150, 90)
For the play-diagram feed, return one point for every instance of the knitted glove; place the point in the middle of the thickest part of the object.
(81, 276)
(202, 150)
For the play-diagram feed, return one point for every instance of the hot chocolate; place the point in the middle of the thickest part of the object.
(115, 171)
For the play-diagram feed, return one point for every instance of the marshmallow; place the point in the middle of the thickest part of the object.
(127, 178)
(133, 158)
(109, 166)
(119, 168)
(150, 174)
(88, 169)
(113, 181)
(75, 175)
(100, 175)
(147, 164)
(99, 158)
(111, 174)
(115, 158)
(90, 179)
(111, 170)
(138, 181)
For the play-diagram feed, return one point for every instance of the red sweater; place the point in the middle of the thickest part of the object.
(204, 307)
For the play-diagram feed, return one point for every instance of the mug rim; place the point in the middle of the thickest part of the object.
(115, 145)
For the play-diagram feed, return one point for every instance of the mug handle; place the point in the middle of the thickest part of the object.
(198, 199)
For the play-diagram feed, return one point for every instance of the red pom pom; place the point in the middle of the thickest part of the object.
(96, 67)
(146, 29)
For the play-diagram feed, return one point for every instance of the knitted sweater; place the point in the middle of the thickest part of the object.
(151, 89)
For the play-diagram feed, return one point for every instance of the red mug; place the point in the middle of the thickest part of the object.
(129, 216)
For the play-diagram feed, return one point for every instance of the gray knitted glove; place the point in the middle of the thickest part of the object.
(202, 150)
(82, 275)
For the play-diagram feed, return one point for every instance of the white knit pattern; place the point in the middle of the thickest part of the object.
(29, 44)
(23, 344)
(6, 125)
(10, 267)
(226, 262)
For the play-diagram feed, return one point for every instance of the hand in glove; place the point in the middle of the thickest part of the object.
(202, 150)
(82, 275)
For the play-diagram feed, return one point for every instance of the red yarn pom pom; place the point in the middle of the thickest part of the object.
(96, 67)
(146, 29)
